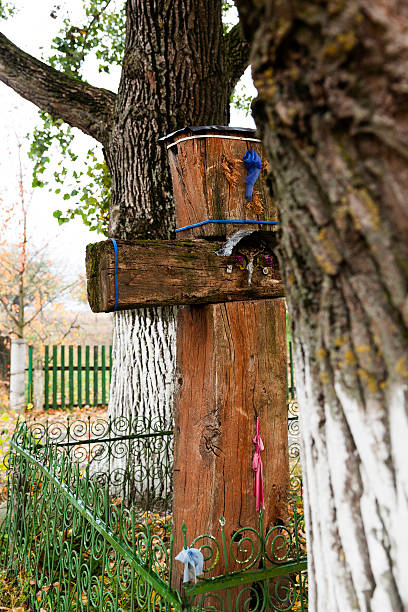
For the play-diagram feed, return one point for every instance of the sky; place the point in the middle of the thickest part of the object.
(32, 28)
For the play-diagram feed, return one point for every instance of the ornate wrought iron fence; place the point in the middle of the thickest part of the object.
(89, 523)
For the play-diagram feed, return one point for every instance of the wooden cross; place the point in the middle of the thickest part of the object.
(231, 346)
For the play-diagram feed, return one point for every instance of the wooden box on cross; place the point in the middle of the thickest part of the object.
(208, 175)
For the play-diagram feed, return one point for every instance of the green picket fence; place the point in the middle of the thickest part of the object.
(73, 376)
(80, 376)
(290, 379)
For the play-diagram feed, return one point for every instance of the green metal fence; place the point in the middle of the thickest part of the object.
(89, 523)
(80, 376)
(73, 376)
(290, 381)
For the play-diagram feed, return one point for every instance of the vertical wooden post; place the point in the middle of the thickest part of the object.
(46, 378)
(87, 401)
(71, 375)
(79, 375)
(103, 358)
(30, 375)
(95, 376)
(62, 377)
(231, 368)
(54, 376)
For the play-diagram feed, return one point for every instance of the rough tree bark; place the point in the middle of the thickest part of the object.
(178, 69)
(333, 92)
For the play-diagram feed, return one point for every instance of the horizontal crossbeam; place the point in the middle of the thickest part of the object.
(170, 272)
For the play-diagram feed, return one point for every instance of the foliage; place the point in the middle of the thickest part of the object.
(93, 208)
(29, 286)
(101, 33)
(14, 589)
(99, 38)
(8, 420)
(4, 396)
(228, 9)
(7, 9)
(41, 287)
(241, 100)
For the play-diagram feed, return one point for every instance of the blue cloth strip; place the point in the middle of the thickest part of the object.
(253, 164)
(115, 248)
(225, 221)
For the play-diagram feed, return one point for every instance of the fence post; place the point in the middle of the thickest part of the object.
(62, 375)
(54, 376)
(38, 383)
(17, 374)
(71, 375)
(79, 375)
(95, 376)
(46, 378)
(87, 402)
(30, 376)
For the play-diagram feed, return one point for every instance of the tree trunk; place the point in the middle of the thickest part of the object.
(332, 81)
(174, 74)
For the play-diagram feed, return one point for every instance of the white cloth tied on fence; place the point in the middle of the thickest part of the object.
(193, 563)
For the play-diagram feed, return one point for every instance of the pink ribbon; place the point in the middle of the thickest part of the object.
(257, 467)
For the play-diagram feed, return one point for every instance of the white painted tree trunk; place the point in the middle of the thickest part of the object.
(143, 355)
(142, 387)
(355, 472)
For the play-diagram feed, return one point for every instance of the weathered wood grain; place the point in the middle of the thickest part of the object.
(159, 272)
(208, 177)
(231, 368)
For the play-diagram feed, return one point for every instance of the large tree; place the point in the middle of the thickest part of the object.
(333, 108)
(179, 68)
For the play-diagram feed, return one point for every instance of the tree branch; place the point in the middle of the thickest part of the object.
(237, 54)
(81, 105)
(71, 327)
(50, 300)
(8, 312)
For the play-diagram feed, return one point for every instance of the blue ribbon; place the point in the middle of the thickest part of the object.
(115, 248)
(253, 164)
(225, 221)
(193, 560)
